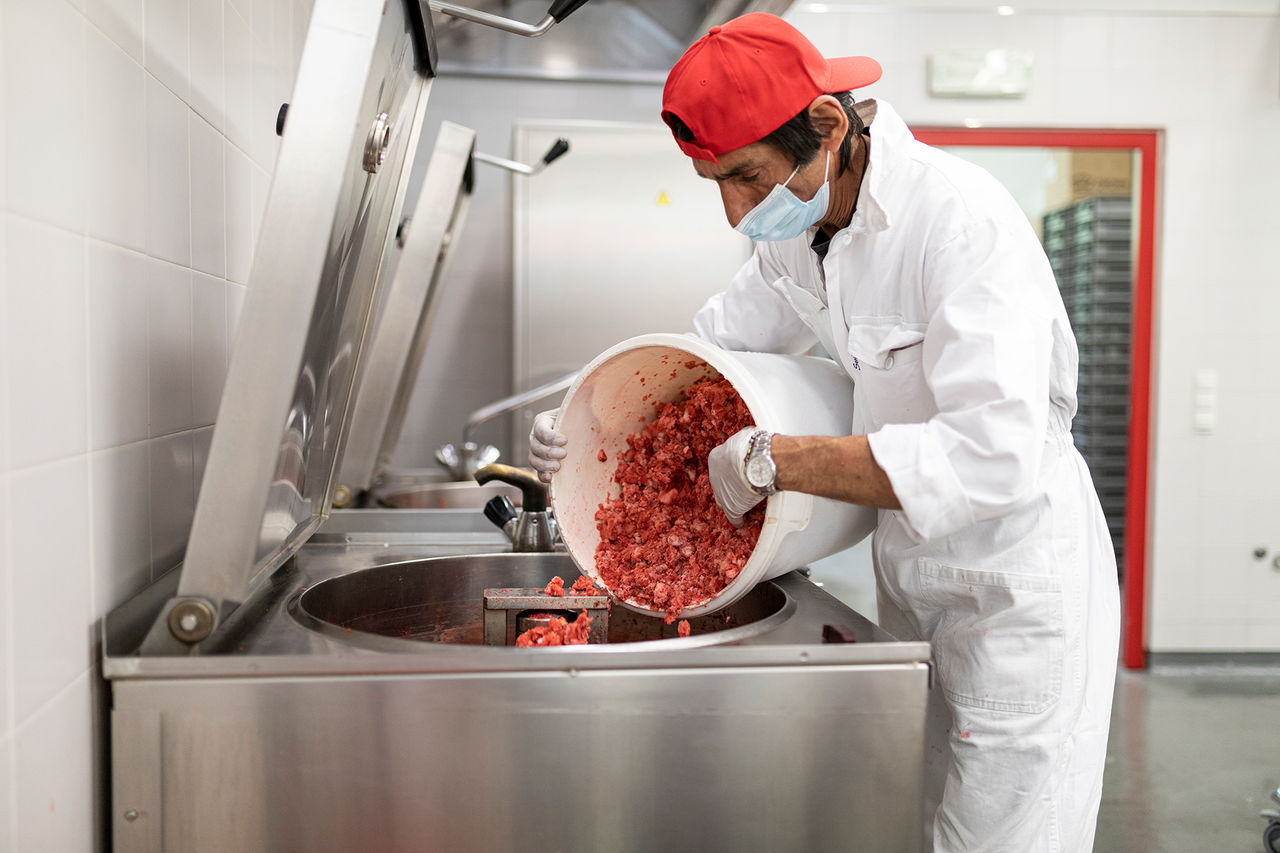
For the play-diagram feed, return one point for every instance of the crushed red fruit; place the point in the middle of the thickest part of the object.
(559, 633)
(664, 543)
(556, 587)
(584, 586)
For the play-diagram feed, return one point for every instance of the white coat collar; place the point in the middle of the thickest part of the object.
(889, 137)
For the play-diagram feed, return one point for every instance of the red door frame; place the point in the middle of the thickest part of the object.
(1137, 477)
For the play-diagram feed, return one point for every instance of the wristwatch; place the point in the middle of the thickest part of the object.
(759, 468)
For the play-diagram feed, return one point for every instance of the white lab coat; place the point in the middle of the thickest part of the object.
(939, 302)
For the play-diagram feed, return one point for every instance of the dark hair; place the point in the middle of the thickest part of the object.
(798, 139)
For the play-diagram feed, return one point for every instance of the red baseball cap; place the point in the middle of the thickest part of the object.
(745, 79)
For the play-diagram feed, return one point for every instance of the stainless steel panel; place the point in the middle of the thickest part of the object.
(340, 178)
(733, 759)
(404, 324)
(137, 812)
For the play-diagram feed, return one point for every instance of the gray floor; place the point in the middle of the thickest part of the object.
(1193, 755)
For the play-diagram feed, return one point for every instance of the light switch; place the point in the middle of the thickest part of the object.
(1204, 401)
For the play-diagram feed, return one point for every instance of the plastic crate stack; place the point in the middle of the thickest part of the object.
(1089, 245)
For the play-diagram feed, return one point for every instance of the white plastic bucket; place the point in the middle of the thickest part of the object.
(615, 396)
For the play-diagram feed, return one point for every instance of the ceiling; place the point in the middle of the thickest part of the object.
(605, 39)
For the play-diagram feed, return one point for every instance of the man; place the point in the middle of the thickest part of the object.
(919, 274)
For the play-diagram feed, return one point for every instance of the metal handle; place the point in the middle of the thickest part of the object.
(560, 10)
(510, 404)
(557, 149)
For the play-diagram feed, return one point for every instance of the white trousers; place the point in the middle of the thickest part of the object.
(1024, 674)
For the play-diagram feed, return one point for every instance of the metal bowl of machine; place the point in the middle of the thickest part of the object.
(443, 600)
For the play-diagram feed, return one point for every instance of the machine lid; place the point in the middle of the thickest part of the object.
(350, 133)
(404, 316)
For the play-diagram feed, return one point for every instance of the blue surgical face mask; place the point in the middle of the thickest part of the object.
(782, 216)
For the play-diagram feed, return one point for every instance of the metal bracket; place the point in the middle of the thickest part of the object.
(504, 609)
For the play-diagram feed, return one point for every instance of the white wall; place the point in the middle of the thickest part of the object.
(138, 141)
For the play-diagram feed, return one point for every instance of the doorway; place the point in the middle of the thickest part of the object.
(1091, 197)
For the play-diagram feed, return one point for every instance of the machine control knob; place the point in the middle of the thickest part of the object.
(500, 510)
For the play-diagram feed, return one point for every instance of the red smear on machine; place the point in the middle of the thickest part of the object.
(683, 628)
(559, 632)
(556, 587)
(664, 543)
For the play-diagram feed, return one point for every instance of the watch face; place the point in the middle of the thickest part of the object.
(759, 472)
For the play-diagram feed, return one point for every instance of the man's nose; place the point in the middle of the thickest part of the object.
(736, 204)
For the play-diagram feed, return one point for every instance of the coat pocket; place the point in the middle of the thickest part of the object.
(886, 360)
(882, 342)
(1000, 640)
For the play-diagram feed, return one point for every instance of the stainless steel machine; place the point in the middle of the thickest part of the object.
(317, 682)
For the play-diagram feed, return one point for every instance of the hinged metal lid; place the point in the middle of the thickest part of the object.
(350, 134)
(404, 321)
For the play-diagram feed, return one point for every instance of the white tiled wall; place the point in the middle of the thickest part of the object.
(137, 141)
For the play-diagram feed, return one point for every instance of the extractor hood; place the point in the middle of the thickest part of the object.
(627, 40)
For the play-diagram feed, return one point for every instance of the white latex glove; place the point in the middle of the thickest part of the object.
(725, 464)
(546, 446)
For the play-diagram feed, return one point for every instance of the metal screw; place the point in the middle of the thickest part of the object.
(131, 815)
(189, 622)
(1259, 553)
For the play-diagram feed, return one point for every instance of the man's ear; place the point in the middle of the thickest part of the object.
(828, 118)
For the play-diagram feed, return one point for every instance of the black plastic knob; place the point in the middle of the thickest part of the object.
(559, 148)
(500, 510)
(562, 9)
(280, 117)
